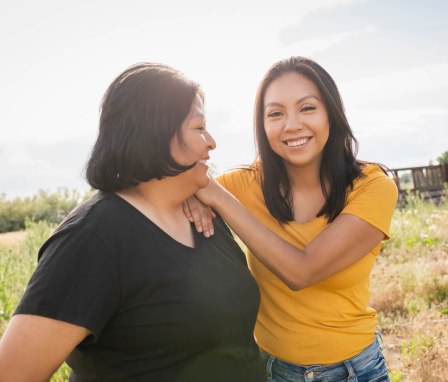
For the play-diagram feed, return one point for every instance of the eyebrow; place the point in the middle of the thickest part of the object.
(298, 101)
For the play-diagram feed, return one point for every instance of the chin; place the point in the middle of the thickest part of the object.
(203, 182)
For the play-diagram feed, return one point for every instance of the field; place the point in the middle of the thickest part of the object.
(409, 289)
(410, 293)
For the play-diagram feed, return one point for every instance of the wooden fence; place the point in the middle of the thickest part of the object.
(428, 181)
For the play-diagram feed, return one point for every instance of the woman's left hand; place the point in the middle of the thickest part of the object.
(201, 215)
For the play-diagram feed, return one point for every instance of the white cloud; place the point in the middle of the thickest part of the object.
(400, 118)
(396, 85)
(309, 47)
(403, 137)
(369, 123)
(52, 83)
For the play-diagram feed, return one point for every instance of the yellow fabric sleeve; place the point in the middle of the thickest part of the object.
(373, 199)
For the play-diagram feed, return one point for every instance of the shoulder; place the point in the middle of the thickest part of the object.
(221, 227)
(97, 219)
(103, 210)
(373, 192)
(225, 241)
(373, 198)
(238, 181)
(373, 177)
(99, 204)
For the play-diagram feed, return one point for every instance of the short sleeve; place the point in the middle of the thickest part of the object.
(373, 199)
(237, 181)
(76, 281)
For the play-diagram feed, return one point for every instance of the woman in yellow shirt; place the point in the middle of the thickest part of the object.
(313, 221)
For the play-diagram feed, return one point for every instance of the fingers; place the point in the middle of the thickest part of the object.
(207, 221)
(197, 216)
(201, 215)
(187, 211)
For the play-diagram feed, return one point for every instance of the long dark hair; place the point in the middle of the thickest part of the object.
(141, 111)
(339, 166)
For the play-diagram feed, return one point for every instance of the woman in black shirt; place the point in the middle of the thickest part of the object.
(125, 289)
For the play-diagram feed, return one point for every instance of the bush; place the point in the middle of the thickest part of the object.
(44, 206)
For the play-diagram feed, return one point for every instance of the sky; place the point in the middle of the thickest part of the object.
(389, 59)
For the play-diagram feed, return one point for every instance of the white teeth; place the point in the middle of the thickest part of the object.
(299, 142)
(203, 161)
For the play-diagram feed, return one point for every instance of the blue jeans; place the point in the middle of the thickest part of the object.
(367, 366)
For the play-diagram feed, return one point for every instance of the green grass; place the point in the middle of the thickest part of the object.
(410, 292)
(409, 289)
(17, 263)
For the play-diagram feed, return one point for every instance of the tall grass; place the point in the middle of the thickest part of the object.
(409, 289)
(17, 263)
(410, 292)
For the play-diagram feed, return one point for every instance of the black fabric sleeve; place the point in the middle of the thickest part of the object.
(76, 281)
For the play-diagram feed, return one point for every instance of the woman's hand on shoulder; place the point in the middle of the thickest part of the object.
(198, 208)
(201, 215)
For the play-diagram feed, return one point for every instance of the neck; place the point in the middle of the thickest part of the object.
(304, 177)
(165, 195)
(308, 197)
(161, 202)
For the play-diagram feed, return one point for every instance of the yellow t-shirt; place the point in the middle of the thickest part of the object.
(329, 321)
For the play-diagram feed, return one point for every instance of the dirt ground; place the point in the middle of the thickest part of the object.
(12, 238)
(429, 364)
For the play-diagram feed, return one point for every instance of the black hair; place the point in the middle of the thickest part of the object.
(339, 166)
(141, 111)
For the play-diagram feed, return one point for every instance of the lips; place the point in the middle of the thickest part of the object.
(297, 142)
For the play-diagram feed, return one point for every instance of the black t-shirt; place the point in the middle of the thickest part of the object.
(158, 310)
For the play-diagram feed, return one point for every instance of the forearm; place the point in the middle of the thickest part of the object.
(342, 243)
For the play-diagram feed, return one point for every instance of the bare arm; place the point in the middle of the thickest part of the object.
(345, 241)
(33, 347)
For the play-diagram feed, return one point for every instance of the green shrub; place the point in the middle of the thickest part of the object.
(415, 346)
(396, 376)
(416, 226)
(62, 374)
(44, 206)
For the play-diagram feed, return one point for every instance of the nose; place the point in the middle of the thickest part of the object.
(293, 122)
(210, 141)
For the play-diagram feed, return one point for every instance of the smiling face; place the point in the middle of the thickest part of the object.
(295, 120)
(195, 145)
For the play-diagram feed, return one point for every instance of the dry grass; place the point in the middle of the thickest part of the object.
(12, 238)
(409, 289)
(410, 293)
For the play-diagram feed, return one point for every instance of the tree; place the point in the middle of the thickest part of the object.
(443, 159)
(405, 178)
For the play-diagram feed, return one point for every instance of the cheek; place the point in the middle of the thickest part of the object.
(327, 132)
(181, 153)
(175, 151)
(323, 127)
(271, 131)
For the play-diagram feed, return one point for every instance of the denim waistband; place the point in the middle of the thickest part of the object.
(354, 363)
